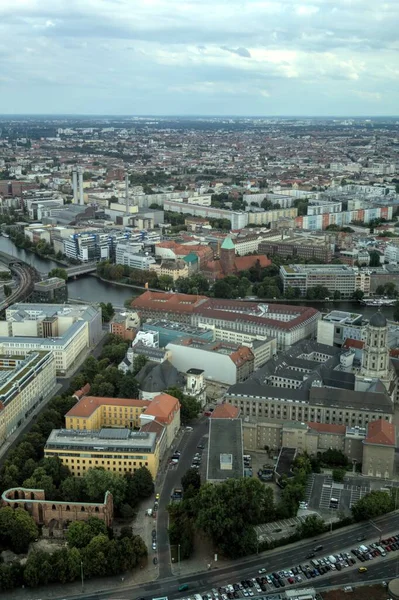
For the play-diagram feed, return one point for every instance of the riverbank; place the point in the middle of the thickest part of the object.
(295, 301)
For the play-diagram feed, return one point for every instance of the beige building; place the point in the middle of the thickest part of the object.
(379, 450)
(271, 216)
(175, 269)
(25, 381)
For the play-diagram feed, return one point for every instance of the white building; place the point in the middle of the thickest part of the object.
(66, 331)
(130, 254)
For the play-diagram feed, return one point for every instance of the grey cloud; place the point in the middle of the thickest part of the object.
(239, 51)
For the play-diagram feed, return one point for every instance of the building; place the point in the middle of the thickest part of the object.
(50, 291)
(125, 324)
(195, 385)
(87, 246)
(164, 409)
(229, 263)
(169, 331)
(379, 450)
(155, 378)
(287, 324)
(93, 413)
(176, 268)
(225, 450)
(65, 330)
(337, 326)
(302, 249)
(220, 361)
(336, 278)
(130, 254)
(317, 222)
(25, 381)
(312, 382)
(54, 514)
(117, 450)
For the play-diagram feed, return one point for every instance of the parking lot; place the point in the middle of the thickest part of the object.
(278, 529)
(321, 488)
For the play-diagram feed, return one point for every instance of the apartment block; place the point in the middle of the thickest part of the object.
(336, 278)
(26, 379)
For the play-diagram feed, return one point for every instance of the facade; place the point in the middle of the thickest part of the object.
(302, 250)
(379, 450)
(93, 413)
(130, 254)
(336, 278)
(220, 361)
(287, 324)
(24, 383)
(87, 246)
(337, 326)
(49, 291)
(195, 385)
(317, 222)
(66, 331)
(54, 514)
(125, 325)
(173, 269)
(117, 450)
(271, 216)
(313, 382)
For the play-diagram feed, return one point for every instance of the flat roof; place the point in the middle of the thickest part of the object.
(107, 439)
(225, 438)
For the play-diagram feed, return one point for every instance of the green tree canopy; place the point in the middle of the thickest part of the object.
(372, 505)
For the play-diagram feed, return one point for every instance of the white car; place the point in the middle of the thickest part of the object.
(262, 571)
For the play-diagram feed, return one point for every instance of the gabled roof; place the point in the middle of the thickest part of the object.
(327, 428)
(381, 433)
(351, 343)
(227, 244)
(89, 404)
(163, 407)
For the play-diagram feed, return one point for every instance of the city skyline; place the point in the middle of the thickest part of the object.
(310, 58)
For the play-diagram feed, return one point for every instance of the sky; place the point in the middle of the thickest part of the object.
(199, 57)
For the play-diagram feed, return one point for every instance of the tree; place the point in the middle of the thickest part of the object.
(144, 483)
(334, 458)
(58, 272)
(374, 258)
(7, 290)
(189, 406)
(358, 295)
(372, 505)
(192, 479)
(227, 513)
(17, 529)
(310, 526)
(221, 289)
(98, 482)
(138, 363)
(338, 475)
(80, 533)
(107, 311)
(337, 295)
(128, 387)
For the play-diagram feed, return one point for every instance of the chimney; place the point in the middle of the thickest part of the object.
(81, 200)
(127, 193)
(75, 185)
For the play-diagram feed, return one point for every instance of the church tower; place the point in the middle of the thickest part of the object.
(376, 361)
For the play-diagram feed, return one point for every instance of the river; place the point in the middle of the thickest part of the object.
(91, 289)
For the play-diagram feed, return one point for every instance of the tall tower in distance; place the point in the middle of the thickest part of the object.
(80, 174)
(75, 185)
(376, 353)
(227, 256)
(127, 193)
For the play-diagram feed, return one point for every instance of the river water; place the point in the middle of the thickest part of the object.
(91, 289)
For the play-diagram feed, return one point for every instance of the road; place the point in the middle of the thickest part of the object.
(26, 276)
(188, 447)
(274, 560)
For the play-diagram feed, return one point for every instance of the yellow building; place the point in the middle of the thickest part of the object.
(93, 412)
(118, 450)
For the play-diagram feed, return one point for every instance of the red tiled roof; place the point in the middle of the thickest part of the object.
(327, 427)
(381, 432)
(83, 391)
(243, 263)
(351, 343)
(87, 405)
(225, 411)
(163, 407)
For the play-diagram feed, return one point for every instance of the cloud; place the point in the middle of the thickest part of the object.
(244, 52)
(173, 56)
